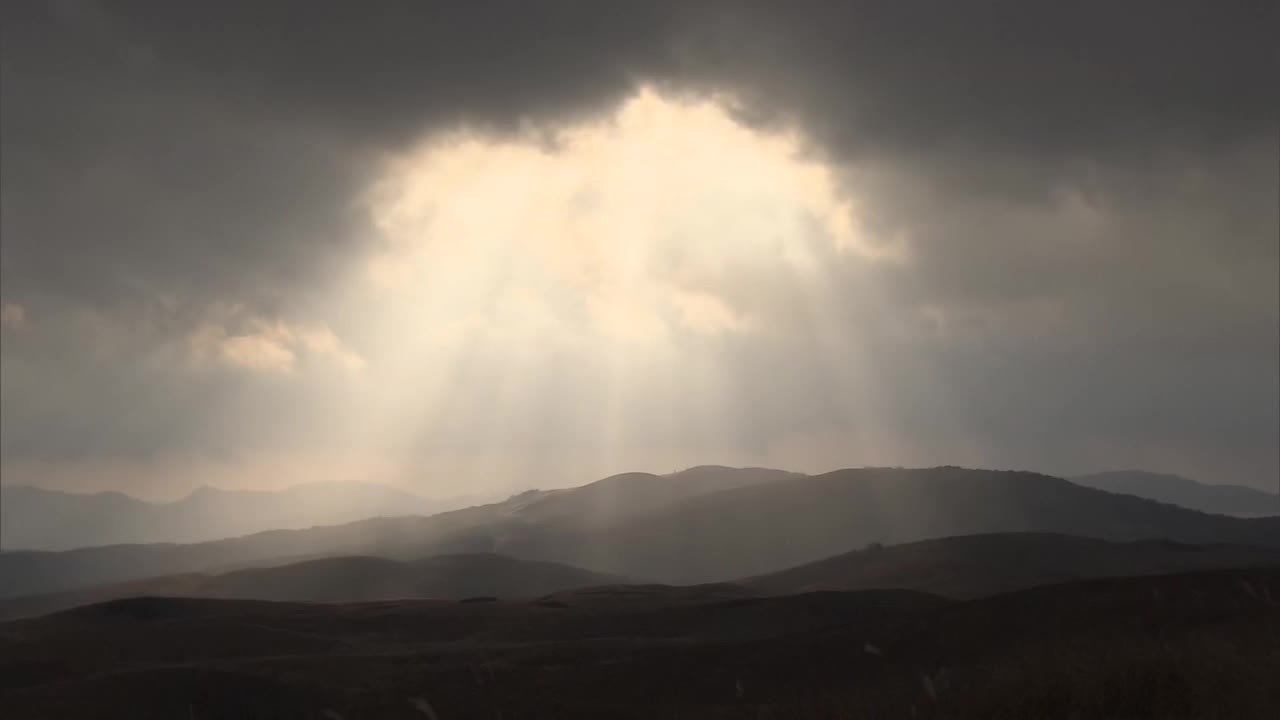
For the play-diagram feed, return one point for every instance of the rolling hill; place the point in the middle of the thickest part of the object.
(759, 529)
(632, 495)
(1185, 645)
(698, 537)
(403, 536)
(339, 579)
(979, 565)
(1183, 492)
(955, 567)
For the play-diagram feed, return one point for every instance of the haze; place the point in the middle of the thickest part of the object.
(574, 359)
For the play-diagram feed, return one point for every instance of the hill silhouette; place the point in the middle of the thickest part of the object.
(1184, 492)
(979, 565)
(764, 528)
(407, 537)
(718, 535)
(339, 579)
(955, 567)
(1185, 645)
(632, 495)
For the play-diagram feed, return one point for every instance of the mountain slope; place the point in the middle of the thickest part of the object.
(717, 536)
(630, 495)
(764, 528)
(31, 572)
(339, 579)
(468, 530)
(1183, 492)
(979, 565)
(37, 519)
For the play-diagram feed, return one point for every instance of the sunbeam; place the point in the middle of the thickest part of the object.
(580, 288)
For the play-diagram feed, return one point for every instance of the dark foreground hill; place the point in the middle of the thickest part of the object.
(718, 525)
(978, 565)
(340, 579)
(1184, 492)
(1181, 646)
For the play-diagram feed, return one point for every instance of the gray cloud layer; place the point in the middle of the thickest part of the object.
(1088, 192)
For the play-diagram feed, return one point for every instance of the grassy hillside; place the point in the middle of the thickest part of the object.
(1176, 646)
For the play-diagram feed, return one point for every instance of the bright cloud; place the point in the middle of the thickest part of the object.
(272, 346)
(13, 316)
(632, 228)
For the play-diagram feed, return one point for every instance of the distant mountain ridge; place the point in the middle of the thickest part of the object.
(404, 537)
(38, 519)
(1184, 492)
(713, 527)
(767, 527)
(626, 496)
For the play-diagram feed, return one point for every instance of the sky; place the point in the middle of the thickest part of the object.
(485, 246)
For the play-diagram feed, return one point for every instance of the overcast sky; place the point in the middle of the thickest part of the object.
(483, 246)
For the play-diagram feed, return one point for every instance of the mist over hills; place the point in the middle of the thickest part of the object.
(37, 519)
(763, 591)
(1177, 490)
(628, 496)
(715, 524)
(954, 567)
(764, 528)
(609, 500)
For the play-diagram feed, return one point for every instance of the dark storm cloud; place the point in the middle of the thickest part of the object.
(213, 137)
(149, 146)
(1088, 191)
(1042, 78)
